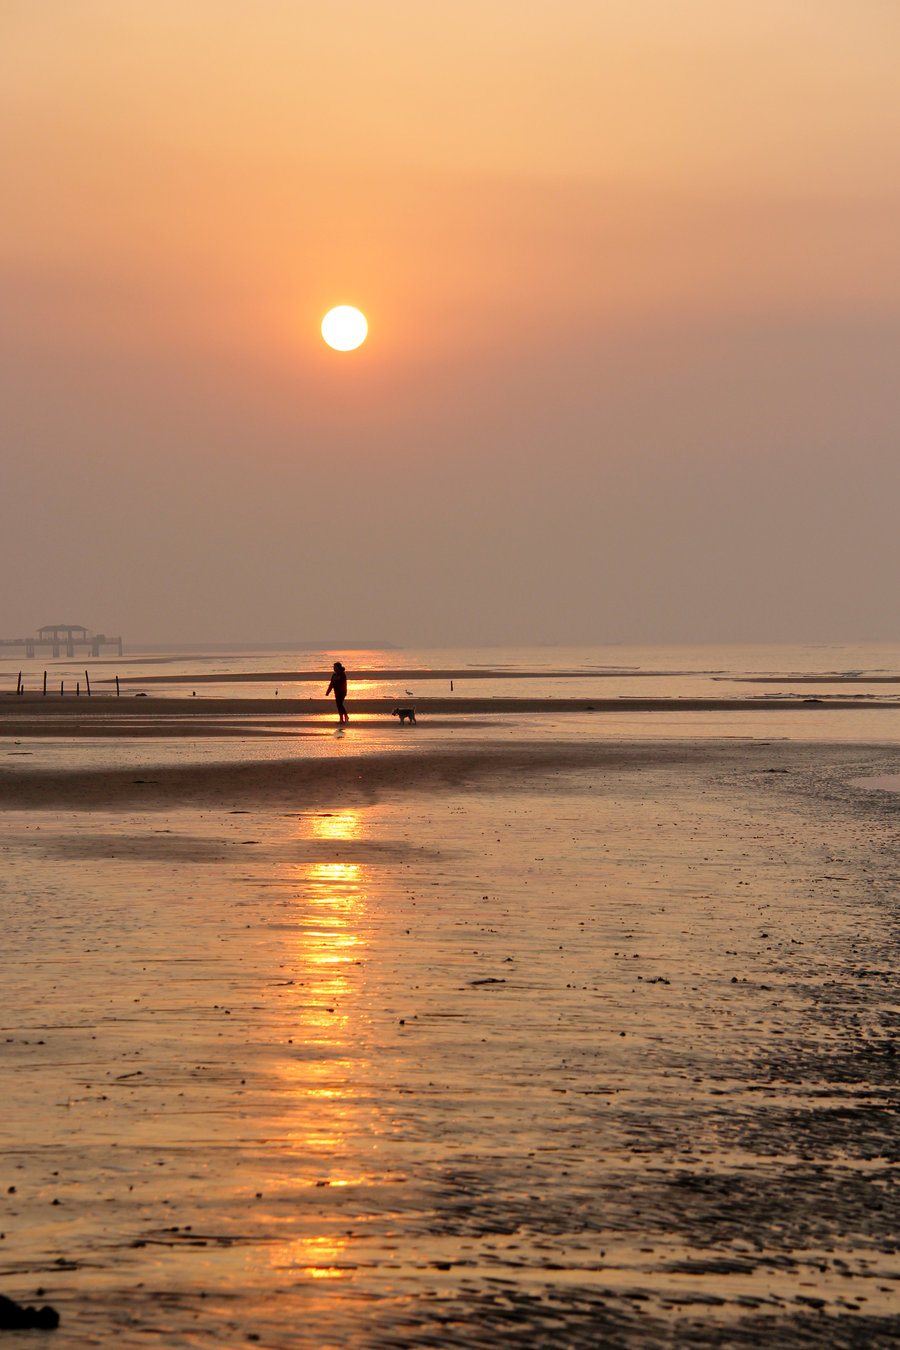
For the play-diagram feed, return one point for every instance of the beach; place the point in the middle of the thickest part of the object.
(449, 676)
(486, 1031)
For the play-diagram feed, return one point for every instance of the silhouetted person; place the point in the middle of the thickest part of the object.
(339, 685)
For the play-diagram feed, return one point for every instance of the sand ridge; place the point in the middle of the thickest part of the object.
(27, 714)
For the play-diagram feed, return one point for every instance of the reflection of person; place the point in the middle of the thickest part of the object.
(339, 685)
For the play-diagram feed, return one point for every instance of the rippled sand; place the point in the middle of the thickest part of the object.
(534, 1045)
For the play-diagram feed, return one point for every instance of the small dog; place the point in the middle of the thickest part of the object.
(405, 714)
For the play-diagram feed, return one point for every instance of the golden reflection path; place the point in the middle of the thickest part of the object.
(326, 953)
(341, 825)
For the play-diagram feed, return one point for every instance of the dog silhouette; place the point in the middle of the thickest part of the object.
(405, 714)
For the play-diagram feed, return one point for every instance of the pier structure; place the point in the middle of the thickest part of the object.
(72, 636)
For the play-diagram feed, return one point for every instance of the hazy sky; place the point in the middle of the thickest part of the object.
(632, 276)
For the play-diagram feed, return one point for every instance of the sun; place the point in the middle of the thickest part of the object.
(344, 328)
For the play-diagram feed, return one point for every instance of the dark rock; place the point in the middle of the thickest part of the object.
(14, 1317)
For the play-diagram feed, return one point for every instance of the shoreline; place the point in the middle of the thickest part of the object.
(17, 708)
(447, 673)
(388, 673)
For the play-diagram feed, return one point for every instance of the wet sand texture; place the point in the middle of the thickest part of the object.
(35, 715)
(586, 1046)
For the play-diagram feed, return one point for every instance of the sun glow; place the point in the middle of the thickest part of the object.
(336, 825)
(344, 328)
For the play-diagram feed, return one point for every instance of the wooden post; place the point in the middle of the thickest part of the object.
(61, 688)
(19, 683)
(45, 681)
(117, 686)
(87, 680)
(78, 688)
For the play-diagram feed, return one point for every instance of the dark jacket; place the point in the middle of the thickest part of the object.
(338, 684)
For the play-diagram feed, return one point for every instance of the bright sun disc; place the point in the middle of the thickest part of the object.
(344, 328)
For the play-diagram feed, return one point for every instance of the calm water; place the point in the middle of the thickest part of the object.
(615, 671)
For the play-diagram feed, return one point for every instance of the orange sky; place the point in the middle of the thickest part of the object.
(526, 199)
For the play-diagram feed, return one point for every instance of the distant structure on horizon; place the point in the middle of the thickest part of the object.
(68, 635)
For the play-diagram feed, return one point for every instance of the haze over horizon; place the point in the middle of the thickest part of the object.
(632, 284)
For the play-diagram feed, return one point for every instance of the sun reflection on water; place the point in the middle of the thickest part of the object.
(337, 825)
(313, 1256)
(325, 1069)
(336, 872)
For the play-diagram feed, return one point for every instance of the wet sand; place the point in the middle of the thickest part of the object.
(535, 1044)
(36, 715)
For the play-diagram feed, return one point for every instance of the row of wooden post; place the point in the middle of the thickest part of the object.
(20, 685)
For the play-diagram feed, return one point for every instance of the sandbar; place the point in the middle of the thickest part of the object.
(17, 711)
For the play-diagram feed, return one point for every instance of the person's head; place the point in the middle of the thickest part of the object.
(338, 666)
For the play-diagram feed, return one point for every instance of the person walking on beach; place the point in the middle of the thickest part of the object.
(339, 685)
